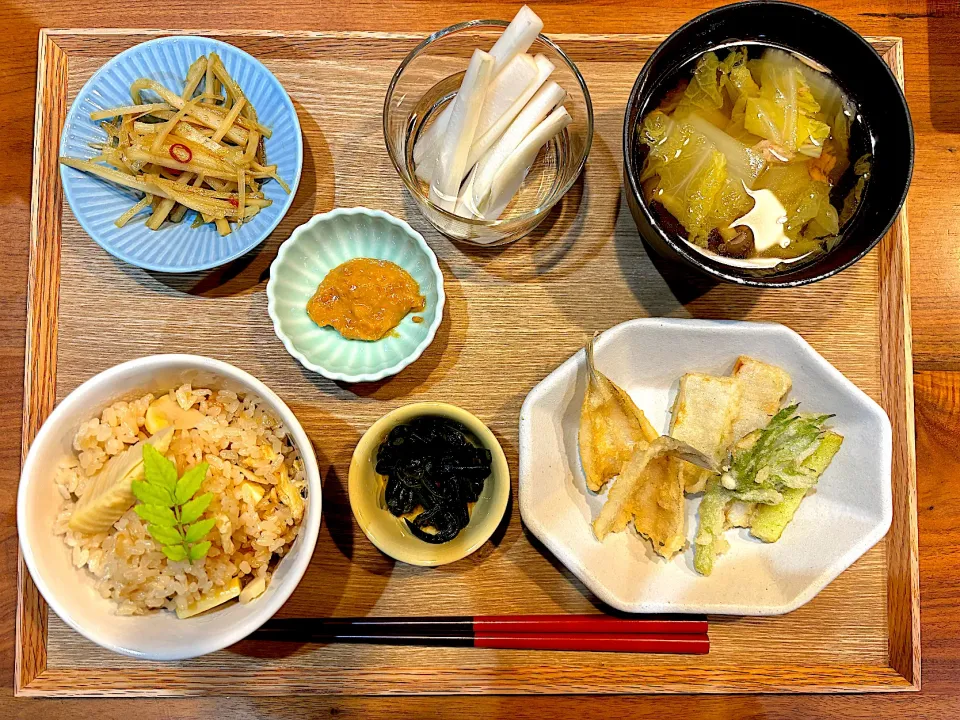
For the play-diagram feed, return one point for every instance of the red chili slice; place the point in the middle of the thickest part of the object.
(180, 153)
(235, 202)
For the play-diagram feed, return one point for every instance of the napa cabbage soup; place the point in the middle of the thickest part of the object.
(755, 156)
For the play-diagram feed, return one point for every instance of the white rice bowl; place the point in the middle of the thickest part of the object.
(123, 599)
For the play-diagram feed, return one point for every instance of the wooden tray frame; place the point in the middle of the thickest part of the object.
(33, 677)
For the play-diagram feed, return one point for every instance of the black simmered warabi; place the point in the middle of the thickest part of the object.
(430, 464)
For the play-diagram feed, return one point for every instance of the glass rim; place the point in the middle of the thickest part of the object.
(414, 188)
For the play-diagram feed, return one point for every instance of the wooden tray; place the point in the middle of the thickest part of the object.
(512, 316)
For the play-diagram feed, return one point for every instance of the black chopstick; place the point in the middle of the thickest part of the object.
(532, 632)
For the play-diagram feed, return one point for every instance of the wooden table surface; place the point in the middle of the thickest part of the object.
(931, 33)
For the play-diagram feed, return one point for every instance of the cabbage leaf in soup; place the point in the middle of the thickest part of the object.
(807, 201)
(738, 125)
(691, 172)
(704, 94)
(785, 112)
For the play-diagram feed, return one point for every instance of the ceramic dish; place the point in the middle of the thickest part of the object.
(317, 247)
(849, 512)
(881, 110)
(71, 593)
(176, 247)
(389, 533)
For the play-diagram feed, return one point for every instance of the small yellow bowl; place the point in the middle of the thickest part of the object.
(389, 533)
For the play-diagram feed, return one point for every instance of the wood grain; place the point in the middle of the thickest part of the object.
(529, 295)
(931, 32)
(896, 369)
(43, 289)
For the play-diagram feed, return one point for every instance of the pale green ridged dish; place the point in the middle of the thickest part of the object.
(320, 245)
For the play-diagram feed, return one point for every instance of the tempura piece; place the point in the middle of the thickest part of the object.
(740, 514)
(764, 388)
(649, 493)
(770, 521)
(770, 472)
(709, 542)
(767, 461)
(703, 417)
(611, 427)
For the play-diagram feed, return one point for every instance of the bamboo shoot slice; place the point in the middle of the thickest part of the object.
(455, 145)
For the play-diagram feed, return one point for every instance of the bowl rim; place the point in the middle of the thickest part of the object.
(411, 357)
(695, 258)
(309, 529)
(68, 184)
(414, 189)
(367, 446)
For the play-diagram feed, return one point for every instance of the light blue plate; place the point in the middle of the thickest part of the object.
(176, 247)
(317, 247)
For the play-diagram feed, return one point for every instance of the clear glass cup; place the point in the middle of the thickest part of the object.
(429, 78)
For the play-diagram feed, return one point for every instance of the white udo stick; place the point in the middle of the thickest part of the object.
(539, 107)
(507, 95)
(511, 174)
(455, 144)
(515, 40)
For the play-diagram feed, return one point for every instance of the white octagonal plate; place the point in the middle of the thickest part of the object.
(849, 512)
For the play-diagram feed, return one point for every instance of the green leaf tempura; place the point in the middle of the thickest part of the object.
(770, 521)
(772, 458)
(773, 467)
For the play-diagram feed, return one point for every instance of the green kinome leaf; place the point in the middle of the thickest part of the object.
(177, 553)
(165, 535)
(188, 485)
(152, 494)
(159, 471)
(157, 515)
(171, 511)
(195, 508)
(199, 551)
(198, 531)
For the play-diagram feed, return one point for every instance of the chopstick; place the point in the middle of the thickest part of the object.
(596, 633)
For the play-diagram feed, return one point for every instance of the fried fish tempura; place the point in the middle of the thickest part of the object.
(703, 417)
(611, 427)
(648, 492)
